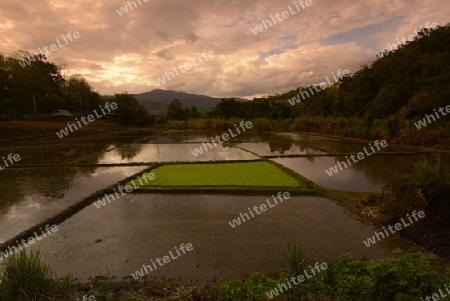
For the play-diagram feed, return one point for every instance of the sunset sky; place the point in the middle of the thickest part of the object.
(129, 52)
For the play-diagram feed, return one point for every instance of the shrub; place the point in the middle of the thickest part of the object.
(28, 277)
(406, 276)
(295, 258)
(424, 189)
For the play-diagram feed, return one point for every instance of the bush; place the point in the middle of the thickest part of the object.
(254, 288)
(28, 277)
(295, 258)
(406, 276)
(425, 189)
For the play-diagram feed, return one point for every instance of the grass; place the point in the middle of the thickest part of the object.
(405, 276)
(28, 277)
(261, 174)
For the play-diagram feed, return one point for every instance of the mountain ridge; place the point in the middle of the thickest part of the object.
(161, 98)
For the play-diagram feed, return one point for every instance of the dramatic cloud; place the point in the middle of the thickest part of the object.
(129, 49)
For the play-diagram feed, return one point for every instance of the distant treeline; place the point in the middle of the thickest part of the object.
(42, 84)
(400, 87)
(34, 91)
(406, 83)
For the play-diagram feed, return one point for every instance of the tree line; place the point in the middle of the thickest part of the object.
(40, 88)
(405, 83)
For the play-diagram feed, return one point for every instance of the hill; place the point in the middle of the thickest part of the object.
(161, 98)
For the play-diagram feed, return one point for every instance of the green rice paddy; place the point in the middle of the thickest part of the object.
(259, 174)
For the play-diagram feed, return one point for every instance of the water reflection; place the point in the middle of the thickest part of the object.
(368, 175)
(279, 147)
(31, 195)
(171, 152)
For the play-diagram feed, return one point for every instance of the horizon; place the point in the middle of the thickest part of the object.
(259, 48)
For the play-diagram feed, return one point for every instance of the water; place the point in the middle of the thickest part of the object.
(138, 228)
(369, 174)
(130, 232)
(31, 195)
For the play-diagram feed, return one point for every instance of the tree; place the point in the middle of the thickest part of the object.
(80, 95)
(5, 104)
(130, 111)
(174, 110)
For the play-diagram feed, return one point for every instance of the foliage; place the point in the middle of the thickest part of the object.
(222, 174)
(420, 69)
(28, 277)
(41, 82)
(175, 111)
(425, 189)
(296, 258)
(103, 285)
(254, 288)
(406, 276)
(78, 95)
(130, 111)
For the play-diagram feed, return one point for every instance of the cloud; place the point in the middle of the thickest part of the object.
(128, 52)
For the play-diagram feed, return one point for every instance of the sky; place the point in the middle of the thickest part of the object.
(118, 51)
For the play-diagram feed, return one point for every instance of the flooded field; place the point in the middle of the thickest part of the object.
(42, 192)
(129, 232)
(134, 153)
(138, 228)
(370, 175)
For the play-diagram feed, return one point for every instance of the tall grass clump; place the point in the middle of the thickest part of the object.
(28, 277)
(425, 189)
(295, 258)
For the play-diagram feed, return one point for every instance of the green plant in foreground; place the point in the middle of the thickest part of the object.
(405, 276)
(252, 289)
(28, 277)
(426, 188)
(103, 284)
(296, 258)
(429, 176)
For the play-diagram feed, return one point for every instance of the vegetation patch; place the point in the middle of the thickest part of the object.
(255, 174)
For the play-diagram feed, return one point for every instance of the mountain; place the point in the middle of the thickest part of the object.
(163, 97)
